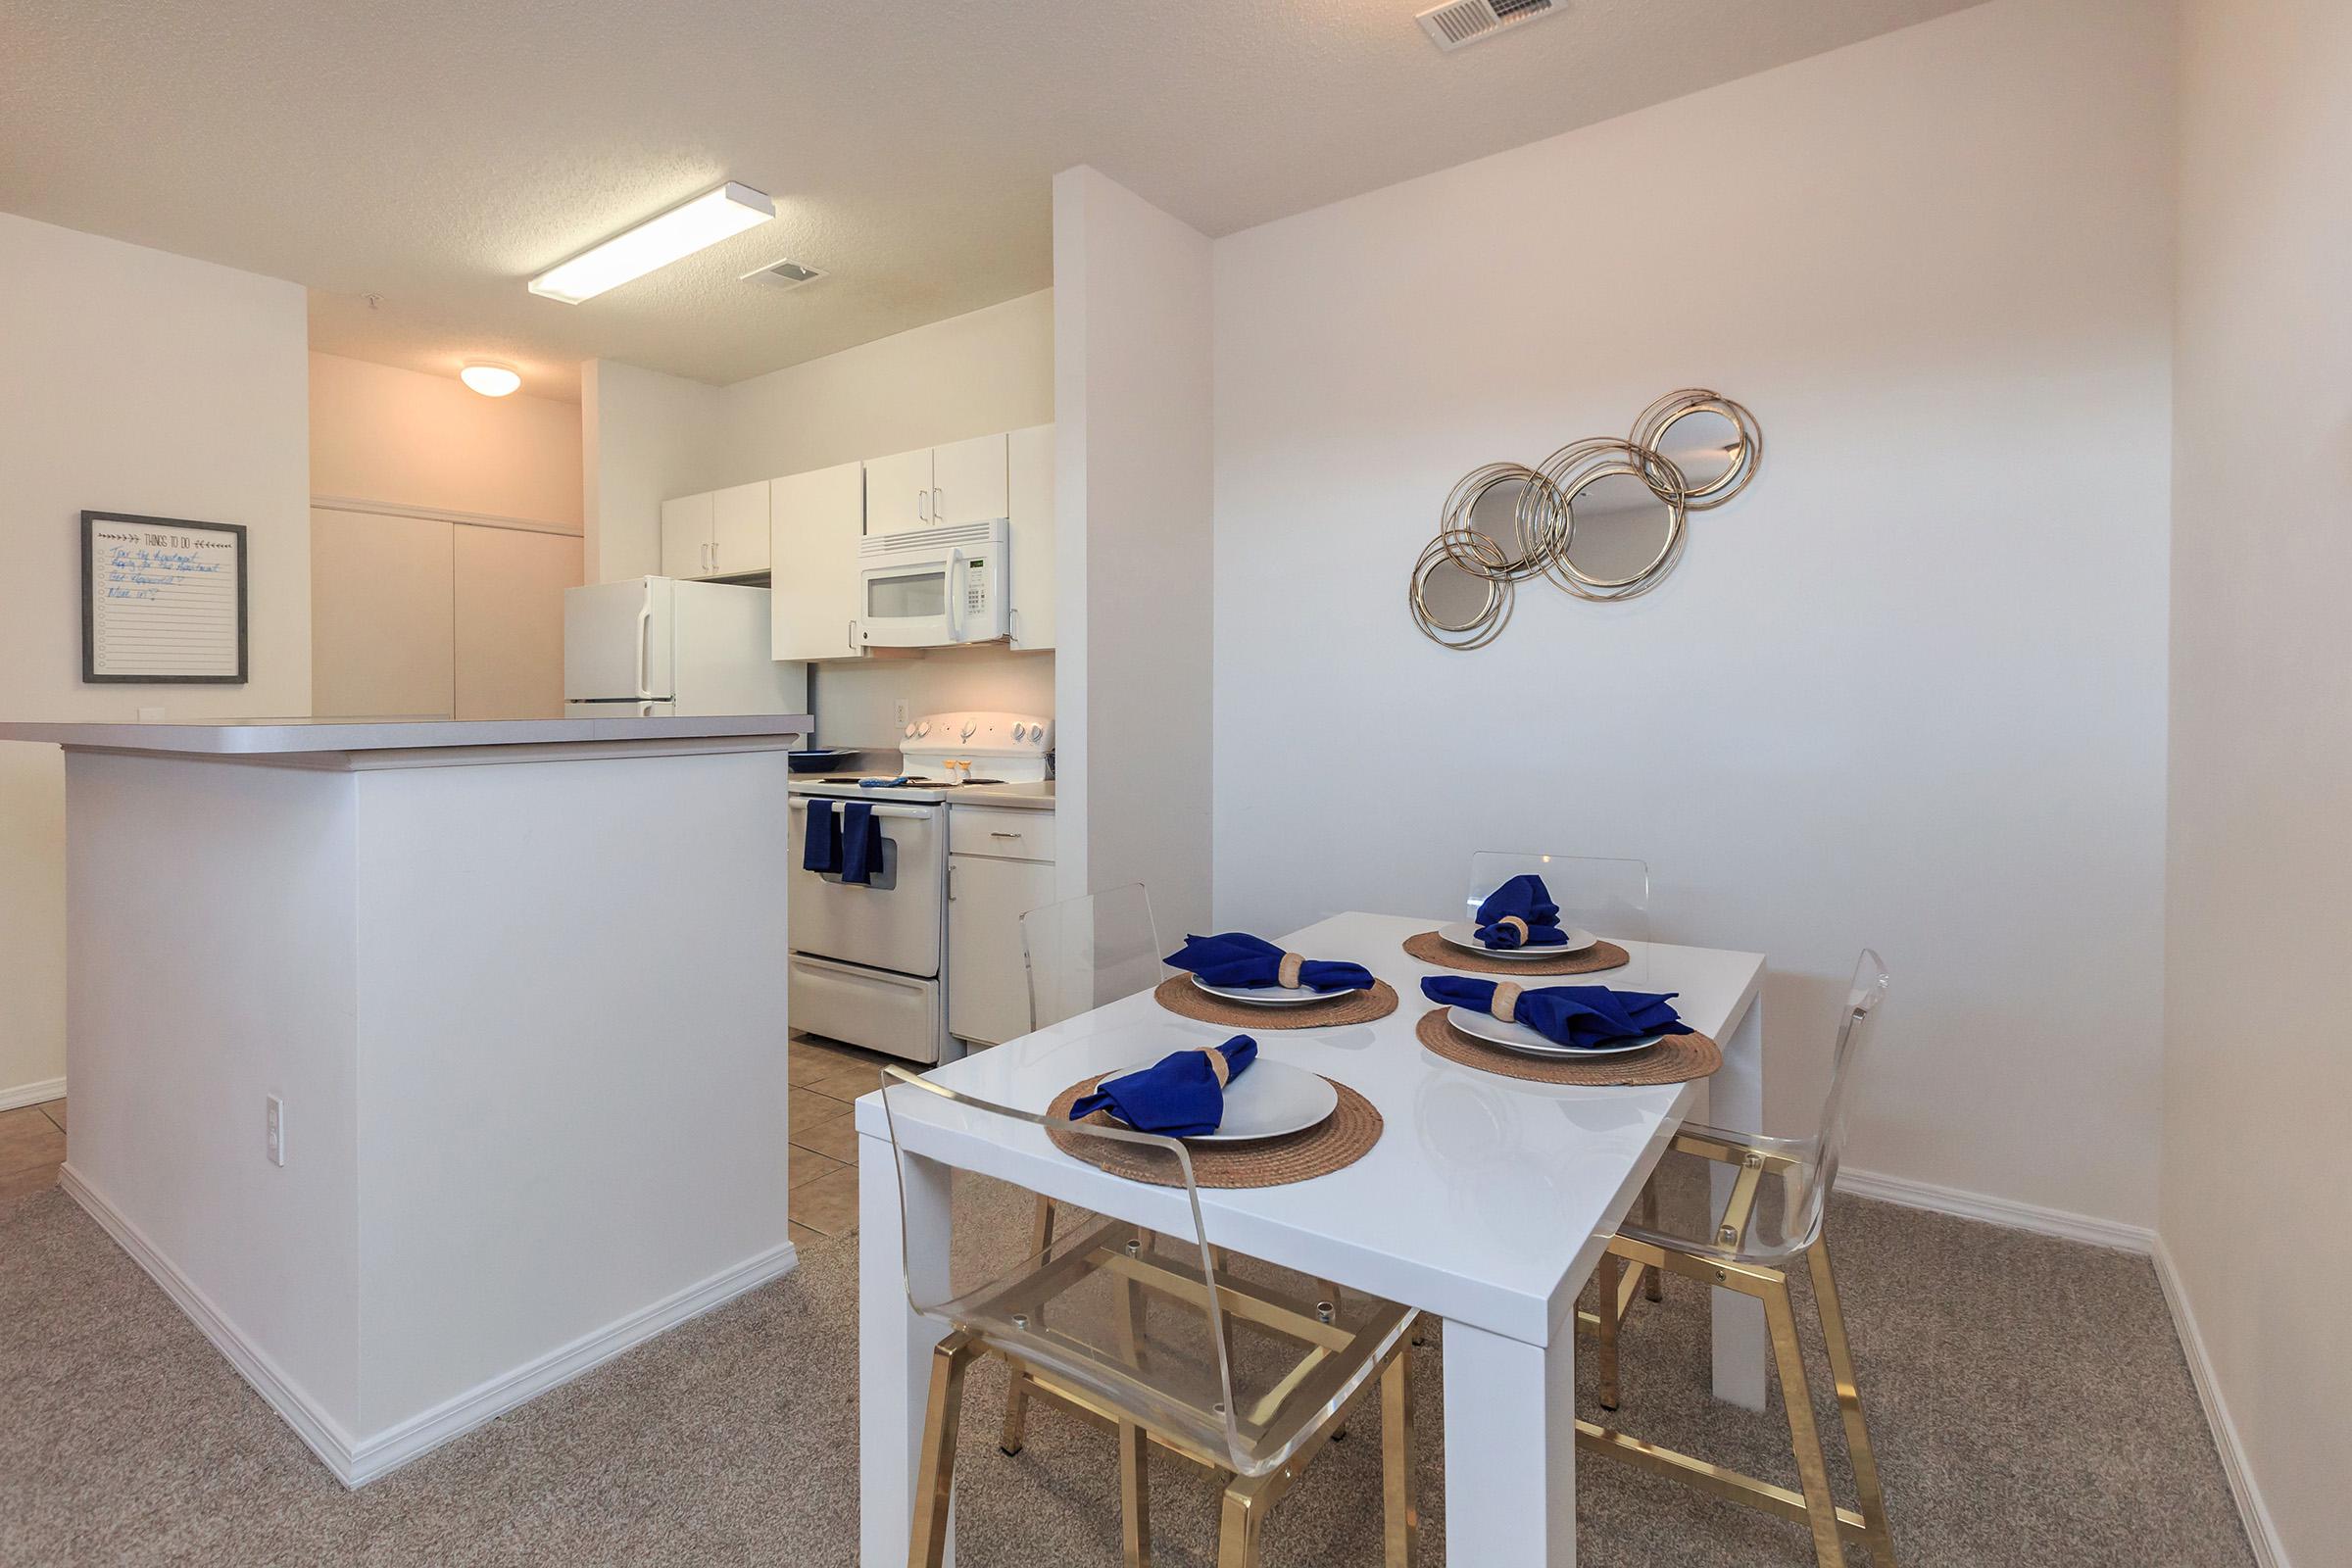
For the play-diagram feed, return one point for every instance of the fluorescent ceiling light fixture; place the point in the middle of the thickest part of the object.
(657, 242)
(490, 379)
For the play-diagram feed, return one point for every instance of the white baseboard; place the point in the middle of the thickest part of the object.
(390, 1449)
(40, 1094)
(324, 1434)
(2261, 1532)
(1992, 1211)
(356, 1463)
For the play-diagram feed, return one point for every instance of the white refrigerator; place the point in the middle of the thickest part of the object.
(651, 647)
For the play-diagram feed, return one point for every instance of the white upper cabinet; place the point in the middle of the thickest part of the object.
(1029, 474)
(967, 481)
(897, 492)
(739, 526)
(815, 521)
(686, 536)
(720, 533)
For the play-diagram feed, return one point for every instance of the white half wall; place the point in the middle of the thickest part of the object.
(1909, 690)
(2260, 894)
(130, 380)
(1132, 325)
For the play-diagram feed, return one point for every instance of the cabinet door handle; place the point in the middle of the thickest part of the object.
(922, 506)
(853, 636)
(1001, 833)
(938, 506)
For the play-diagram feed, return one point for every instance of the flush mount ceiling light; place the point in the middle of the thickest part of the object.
(490, 379)
(709, 217)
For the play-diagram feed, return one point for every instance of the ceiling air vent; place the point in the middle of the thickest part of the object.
(786, 273)
(1450, 26)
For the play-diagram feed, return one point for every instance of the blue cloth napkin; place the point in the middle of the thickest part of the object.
(820, 842)
(861, 843)
(1237, 958)
(1176, 1097)
(883, 783)
(1570, 1015)
(1524, 898)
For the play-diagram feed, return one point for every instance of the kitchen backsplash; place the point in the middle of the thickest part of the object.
(857, 703)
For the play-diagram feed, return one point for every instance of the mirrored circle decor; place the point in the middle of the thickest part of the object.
(1713, 441)
(1456, 605)
(1604, 518)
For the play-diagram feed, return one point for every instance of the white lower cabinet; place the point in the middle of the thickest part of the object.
(988, 981)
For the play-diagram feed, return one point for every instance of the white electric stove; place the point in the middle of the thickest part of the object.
(869, 962)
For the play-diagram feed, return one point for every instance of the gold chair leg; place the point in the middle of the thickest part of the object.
(1850, 1406)
(1238, 1530)
(1400, 1504)
(1605, 1284)
(1134, 1496)
(1812, 1469)
(1653, 1280)
(1017, 1391)
(935, 1474)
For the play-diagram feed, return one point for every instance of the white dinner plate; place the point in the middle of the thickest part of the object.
(1520, 1038)
(1267, 995)
(1269, 1100)
(1463, 934)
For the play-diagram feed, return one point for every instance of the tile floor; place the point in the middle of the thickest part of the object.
(33, 1145)
(826, 1077)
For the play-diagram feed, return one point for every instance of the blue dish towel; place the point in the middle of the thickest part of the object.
(884, 783)
(1520, 913)
(820, 844)
(1237, 958)
(1569, 1015)
(1178, 1096)
(861, 843)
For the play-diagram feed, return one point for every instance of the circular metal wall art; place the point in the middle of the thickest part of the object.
(1602, 517)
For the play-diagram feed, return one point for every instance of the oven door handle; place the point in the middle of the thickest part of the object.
(800, 802)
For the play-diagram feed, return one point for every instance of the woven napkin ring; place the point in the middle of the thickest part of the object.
(1218, 1063)
(1506, 1001)
(1514, 920)
(1291, 963)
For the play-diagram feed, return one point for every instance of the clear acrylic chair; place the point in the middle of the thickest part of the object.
(1740, 1211)
(1608, 898)
(1084, 952)
(1235, 1366)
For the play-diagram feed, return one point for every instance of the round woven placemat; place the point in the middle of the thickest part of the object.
(1179, 996)
(1337, 1142)
(1674, 1060)
(1431, 947)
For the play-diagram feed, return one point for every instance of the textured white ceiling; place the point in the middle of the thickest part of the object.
(437, 153)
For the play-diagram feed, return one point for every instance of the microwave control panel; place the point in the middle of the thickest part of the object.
(975, 587)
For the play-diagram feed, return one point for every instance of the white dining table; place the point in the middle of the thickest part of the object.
(1485, 1204)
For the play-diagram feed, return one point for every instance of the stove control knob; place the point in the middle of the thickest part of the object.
(925, 728)
(910, 732)
(1020, 733)
(968, 728)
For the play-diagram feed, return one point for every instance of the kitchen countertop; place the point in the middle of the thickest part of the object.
(285, 737)
(1019, 796)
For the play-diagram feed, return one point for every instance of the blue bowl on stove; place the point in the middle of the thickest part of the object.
(819, 759)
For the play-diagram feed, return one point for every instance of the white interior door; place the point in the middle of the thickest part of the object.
(381, 610)
(967, 480)
(739, 525)
(1029, 489)
(897, 492)
(508, 621)
(686, 536)
(816, 520)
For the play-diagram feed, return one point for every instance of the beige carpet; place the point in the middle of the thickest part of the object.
(2027, 1396)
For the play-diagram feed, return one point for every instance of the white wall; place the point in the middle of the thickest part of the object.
(1132, 322)
(137, 381)
(645, 437)
(2260, 898)
(400, 437)
(1908, 690)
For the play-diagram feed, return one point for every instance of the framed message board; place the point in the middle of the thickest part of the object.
(162, 599)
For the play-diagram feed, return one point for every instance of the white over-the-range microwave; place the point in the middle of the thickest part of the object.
(935, 587)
